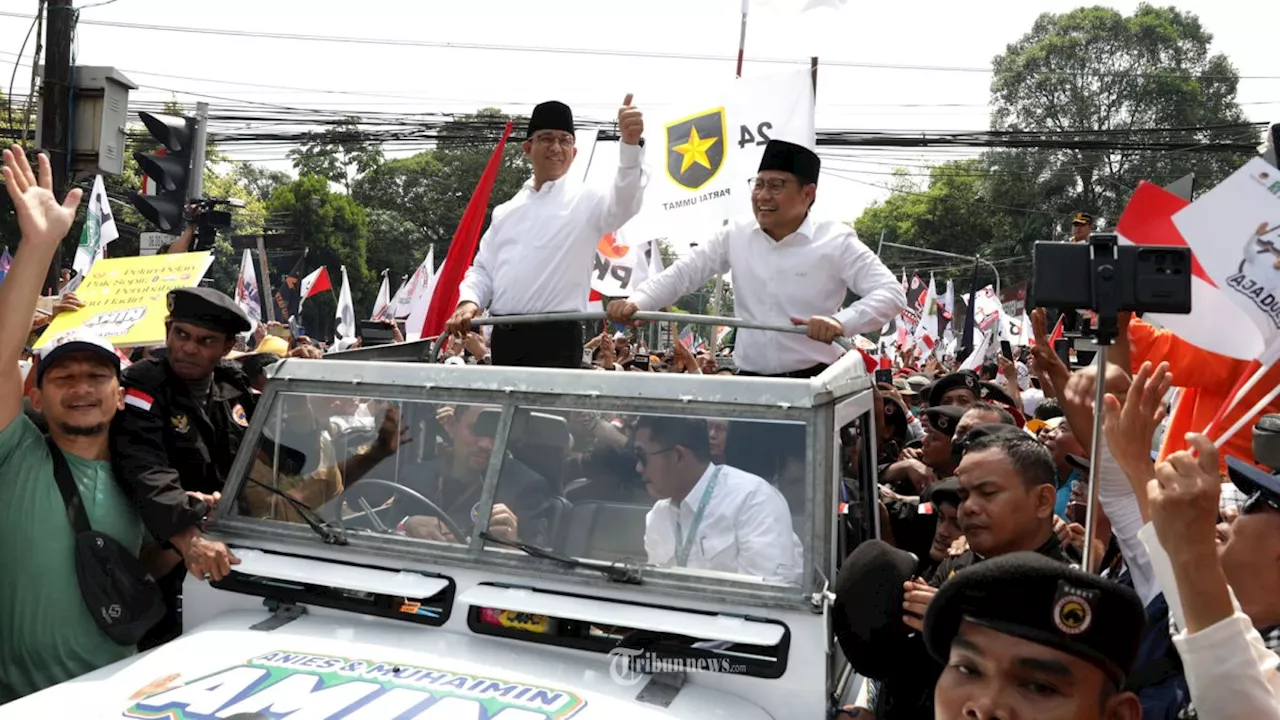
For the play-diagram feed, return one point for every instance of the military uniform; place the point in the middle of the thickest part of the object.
(166, 442)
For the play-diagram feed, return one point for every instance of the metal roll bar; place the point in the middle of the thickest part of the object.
(434, 354)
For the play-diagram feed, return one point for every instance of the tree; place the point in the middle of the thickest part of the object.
(1094, 74)
(340, 154)
(336, 230)
(420, 199)
(261, 182)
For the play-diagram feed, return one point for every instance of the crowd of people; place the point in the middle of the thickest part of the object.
(975, 602)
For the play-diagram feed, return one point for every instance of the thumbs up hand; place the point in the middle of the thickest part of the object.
(630, 122)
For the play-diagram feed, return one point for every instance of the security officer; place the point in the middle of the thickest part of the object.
(1024, 621)
(184, 417)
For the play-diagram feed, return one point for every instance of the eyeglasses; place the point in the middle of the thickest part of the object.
(643, 456)
(1258, 502)
(772, 185)
(564, 141)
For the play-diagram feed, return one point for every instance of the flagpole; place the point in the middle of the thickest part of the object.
(742, 37)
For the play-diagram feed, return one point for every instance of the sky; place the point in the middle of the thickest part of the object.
(921, 65)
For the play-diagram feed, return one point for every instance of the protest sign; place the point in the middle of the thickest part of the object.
(126, 299)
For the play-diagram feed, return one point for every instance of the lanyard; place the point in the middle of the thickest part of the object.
(684, 543)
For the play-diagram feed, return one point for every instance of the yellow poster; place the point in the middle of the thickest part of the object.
(126, 299)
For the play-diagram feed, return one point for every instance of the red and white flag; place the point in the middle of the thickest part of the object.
(314, 284)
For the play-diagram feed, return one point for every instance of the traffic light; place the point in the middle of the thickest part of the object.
(171, 172)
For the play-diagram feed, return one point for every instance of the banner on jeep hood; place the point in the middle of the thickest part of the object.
(325, 686)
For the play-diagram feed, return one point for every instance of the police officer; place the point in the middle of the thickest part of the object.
(1023, 636)
(184, 417)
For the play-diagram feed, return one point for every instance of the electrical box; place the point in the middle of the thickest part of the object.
(99, 115)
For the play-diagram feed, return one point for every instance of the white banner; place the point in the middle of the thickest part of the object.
(621, 266)
(703, 154)
(1234, 231)
(248, 296)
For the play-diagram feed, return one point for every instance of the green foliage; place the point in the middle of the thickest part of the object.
(335, 229)
(339, 154)
(417, 202)
(1094, 69)
(1075, 75)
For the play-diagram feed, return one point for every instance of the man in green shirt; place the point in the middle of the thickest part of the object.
(47, 635)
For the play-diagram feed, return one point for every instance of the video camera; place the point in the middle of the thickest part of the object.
(207, 217)
(1109, 278)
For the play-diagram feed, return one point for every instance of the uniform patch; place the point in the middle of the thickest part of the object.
(136, 398)
(1073, 611)
(238, 414)
(181, 423)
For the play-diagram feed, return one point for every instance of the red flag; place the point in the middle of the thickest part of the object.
(463, 250)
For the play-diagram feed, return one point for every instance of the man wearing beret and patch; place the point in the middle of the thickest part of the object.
(184, 417)
(1024, 636)
(788, 268)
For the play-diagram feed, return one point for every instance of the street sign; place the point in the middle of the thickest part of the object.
(150, 243)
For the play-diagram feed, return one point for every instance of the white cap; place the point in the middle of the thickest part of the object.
(75, 340)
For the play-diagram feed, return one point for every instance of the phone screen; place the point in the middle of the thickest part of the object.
(885, 376)
(1006, 349)
(1062, 347)
(280, 331)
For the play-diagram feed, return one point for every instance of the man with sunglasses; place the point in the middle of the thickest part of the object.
(788, 267)
(537, 255)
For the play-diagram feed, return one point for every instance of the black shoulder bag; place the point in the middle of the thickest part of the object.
(122, 598)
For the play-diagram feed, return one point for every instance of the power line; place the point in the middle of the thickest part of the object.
(599, 52)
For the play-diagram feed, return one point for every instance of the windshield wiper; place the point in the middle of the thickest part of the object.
(319, 525)
(626, 574)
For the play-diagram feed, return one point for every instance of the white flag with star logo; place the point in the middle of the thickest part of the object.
(703, 152)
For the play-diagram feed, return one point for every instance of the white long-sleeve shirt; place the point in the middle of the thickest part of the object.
(804, 274)
(746, 529)
(538, 253)
(1231, 673)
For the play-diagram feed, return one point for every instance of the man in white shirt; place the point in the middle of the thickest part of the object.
(787, 268)
(537, 255)
(711, 517)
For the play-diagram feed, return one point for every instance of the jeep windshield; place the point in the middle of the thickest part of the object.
(489, 466)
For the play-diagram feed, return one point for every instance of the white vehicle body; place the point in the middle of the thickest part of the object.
(249, 653)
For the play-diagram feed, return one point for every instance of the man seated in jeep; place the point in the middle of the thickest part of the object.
(453, 480)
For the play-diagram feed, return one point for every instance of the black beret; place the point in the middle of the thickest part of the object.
(208, 309)
(867, 612)
(1030, 596)
(945, 491)
(789, 157)
(993, 393)
(966, 379)
(551, 115)
(990, 430)
(896, 415)
(944, 418)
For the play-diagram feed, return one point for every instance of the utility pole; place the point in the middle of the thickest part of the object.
(55, 102)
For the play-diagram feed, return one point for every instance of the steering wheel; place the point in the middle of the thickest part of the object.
(433, 510)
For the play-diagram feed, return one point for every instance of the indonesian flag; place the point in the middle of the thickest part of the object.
(314, 284)
(463, 248)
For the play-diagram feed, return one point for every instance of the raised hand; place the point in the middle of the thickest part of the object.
(40, 218)
(630, 122)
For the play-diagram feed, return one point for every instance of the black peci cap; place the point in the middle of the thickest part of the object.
(208, 309)
(1032, 597)
(789, 157)
(550, 115)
